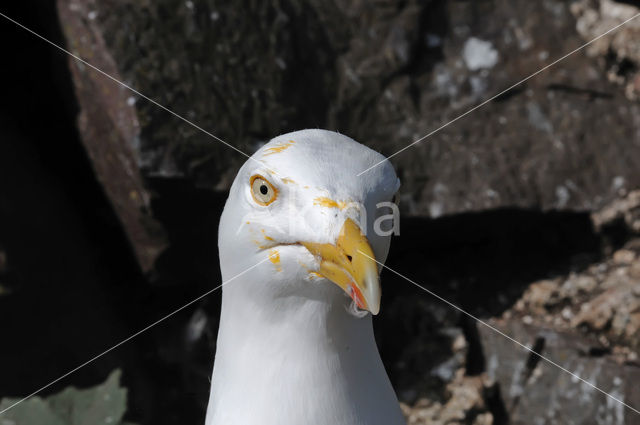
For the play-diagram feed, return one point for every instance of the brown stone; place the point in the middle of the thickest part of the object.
(110, 130)
(623, 256)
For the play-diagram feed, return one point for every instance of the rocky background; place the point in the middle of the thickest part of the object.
(525, 213)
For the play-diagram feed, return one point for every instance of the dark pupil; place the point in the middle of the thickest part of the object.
(264, 189)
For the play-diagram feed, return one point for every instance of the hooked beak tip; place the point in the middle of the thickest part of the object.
(372, 289)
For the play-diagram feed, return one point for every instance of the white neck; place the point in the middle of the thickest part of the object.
(302, 361)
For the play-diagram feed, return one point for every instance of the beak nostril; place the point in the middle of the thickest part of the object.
(349, 258)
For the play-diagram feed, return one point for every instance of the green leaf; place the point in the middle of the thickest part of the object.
(33, 411)
(104, 404)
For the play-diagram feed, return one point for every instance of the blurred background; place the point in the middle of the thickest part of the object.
(525, 213)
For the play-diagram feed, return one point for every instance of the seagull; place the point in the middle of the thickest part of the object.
(295, 344)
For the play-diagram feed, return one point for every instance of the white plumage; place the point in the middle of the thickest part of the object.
(289, 351)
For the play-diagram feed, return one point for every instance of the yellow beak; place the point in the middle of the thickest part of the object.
(350, 265)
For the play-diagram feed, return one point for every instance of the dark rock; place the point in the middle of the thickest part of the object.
(3, 271)
(536, 392)
(385, 73)
(3, 261)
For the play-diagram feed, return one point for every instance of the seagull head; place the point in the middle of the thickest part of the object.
(301, 227)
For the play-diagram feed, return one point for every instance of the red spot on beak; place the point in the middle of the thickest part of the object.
(357, 297)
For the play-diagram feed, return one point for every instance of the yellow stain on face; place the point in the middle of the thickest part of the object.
(258, 244)
(274, 257)
(323, 201)
(315, 275)
(311, 275)
(267, 237)
(287, 180)
(279, 147)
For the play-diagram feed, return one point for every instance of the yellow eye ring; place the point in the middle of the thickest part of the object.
(263, 192)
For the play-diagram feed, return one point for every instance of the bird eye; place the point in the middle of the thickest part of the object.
(262, 191)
